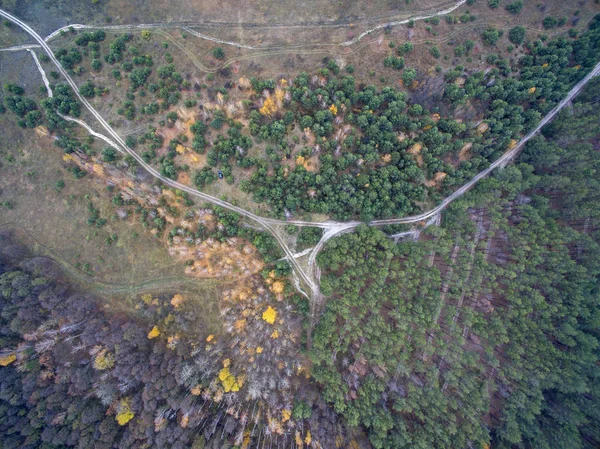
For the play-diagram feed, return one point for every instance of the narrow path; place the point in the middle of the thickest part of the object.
(188, 27)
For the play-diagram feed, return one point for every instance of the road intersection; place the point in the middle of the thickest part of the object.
(309, 275)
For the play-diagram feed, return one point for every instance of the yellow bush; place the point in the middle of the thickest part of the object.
(146, 34)
(8, 359)
(269, 107)
(299, 442)
(124, 413)
(153, 333)
(228, 380)
(308, 438)
(269, 315)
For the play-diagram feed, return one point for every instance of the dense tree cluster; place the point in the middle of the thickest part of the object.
(23, 107)
(376, 127)
(64, 102)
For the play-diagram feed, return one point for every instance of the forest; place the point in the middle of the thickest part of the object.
(487, 331)
(484, 332)
(481, 333)
(153, 378)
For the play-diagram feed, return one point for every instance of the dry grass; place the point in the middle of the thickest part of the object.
(56, 221)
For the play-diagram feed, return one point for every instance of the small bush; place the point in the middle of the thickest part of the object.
(550, 22)
(515, 7)
(490, 36)
(218, 53)
(516, 35)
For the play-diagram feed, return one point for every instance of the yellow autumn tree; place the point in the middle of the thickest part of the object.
(279, 94)
(285, 415)
(300, 160)
(247, 440)
(278, 287)
(104, 360)
(298, 438)
(308, 438)
(124, 413)
(269, 315)
(8, 359)
(153, 333)
(239, 325)
(185, 419)
(172, 341)
(177, 300)
(333, 108)
(228, 380)
(269, 107)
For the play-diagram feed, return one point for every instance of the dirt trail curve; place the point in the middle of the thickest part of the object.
(187, 26)
(331, 228)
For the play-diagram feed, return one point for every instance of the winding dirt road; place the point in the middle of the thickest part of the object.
(331, 228)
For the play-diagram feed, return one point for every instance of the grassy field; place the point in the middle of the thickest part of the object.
(55, 218)
(52, 223)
